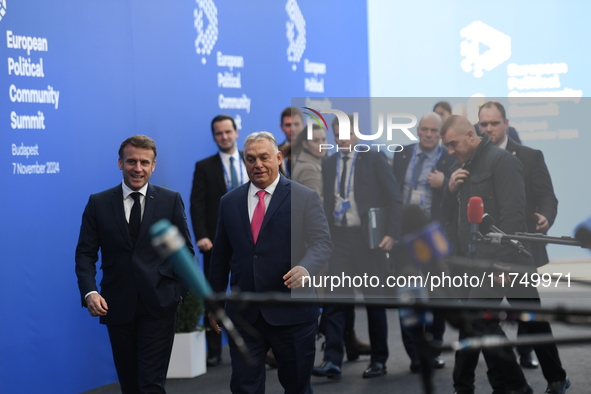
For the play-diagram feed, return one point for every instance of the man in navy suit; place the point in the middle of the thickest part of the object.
(422, 170)
(214, 177)
(139, 290)
(354, 183)
(271, 232)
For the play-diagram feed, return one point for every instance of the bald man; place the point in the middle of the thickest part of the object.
(495, 175)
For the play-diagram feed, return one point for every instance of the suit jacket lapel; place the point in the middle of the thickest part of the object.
(242, 207)
(512, 146)
(402, 165)
(282, 191)
(219, 174)
(119, 211)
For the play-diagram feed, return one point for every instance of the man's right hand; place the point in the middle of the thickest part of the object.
(96, 304)
(204, 244)
(214, 323)
(457, 178)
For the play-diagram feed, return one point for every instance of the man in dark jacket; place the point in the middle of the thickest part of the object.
(497, 177)
(213, 177)
(540, 208)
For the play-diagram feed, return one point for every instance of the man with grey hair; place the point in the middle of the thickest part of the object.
(271, 233)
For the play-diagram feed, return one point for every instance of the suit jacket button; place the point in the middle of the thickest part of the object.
(255, 257)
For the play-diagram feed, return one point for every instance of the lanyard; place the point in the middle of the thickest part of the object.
(228, 180)
(414, 162)
(353, 160)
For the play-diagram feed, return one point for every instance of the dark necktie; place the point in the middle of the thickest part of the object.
(418, 169)
(233, 174)
(135, 217)
(343, 188)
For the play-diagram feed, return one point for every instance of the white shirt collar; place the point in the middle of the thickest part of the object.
(504, 143)
(252, 190)
(127, 191)
(226, 156)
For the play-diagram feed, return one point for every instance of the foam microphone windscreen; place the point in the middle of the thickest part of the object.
(475, 210)
(413, 219)
(583, 233)
(487, 222)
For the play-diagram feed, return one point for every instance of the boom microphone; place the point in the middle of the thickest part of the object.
(488, 224)
(170, 244)
(475, 213)
(583, 233)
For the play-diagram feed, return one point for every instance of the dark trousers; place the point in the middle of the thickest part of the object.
(410, 336)
(214, 340)
(349, 320)
(335, 329)
(503, 371)
(141, 351)
(522, 350)
(351, 256)
(294, 347)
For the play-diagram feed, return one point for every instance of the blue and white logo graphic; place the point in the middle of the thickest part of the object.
(498, 43)
(296, 33)
(2, 9)
(206, 38)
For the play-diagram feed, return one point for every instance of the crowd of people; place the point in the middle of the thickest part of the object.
(270, 217)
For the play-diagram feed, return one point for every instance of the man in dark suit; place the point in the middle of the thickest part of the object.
(496, 176)
(271, 232)
(355, 182)
(139, 290)
(292, 124)
(422, 170)
(214, 177)
(541, 206)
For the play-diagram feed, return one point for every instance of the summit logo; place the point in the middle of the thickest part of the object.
(206, 37)
(2, 9)
(296, 33)
(478, 34)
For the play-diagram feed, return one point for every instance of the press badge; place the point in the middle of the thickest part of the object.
(340, 207)
(417, 197)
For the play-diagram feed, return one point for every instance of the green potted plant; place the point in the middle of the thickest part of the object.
(188, 351)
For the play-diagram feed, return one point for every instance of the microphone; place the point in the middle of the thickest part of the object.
(475, 213)
(583, 233)
(488, 224)
(170, 244)
(424, 240)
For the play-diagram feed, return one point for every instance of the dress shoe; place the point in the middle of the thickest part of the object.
(354, 347)
(327, 369)
(415, 365)
(374, 370)
(524, 390)
(437, 363)
(528, 361)
(558, 387)
(213, 361)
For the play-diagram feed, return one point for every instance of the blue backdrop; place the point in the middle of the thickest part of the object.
(163, 69)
